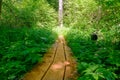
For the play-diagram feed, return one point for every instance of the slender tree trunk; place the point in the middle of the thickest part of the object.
(0, 7)
(60, 13)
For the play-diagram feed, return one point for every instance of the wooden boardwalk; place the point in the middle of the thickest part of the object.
(58, 64)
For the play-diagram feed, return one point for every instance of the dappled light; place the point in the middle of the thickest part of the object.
(59, 65)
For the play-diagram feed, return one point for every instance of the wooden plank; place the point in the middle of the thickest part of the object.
(38, 71)
(56, 71)
(58, 64)
(71, 71)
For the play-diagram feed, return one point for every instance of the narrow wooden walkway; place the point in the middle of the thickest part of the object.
(58, 64)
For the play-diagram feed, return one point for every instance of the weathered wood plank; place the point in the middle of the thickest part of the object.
(58, 64)
(38, 71)
(56, 71)
(70, 73)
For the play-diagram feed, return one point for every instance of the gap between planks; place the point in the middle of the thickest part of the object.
(58, 64)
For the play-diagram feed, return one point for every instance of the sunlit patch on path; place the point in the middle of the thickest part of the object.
(58, 64)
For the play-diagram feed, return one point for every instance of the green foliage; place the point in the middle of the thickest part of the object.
(93, 13)
(21, 49)
(28, 13)
(25, 35)
(97, 60)
(78, 13)
(54, 3)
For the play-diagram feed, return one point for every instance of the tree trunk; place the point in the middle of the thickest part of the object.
(60, 13)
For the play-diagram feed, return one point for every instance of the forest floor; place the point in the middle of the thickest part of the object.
(58, 64)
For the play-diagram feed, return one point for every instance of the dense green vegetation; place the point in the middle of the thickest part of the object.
(28, 13)
(26, 33)
(21, 49)
(97, 60)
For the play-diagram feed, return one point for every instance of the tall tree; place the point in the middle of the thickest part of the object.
(60, 13)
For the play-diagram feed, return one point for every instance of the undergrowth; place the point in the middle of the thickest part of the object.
(97, 60)
(21, 49)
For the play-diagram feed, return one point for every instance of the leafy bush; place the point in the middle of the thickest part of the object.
(85, 17)
(29, 13)
(21, 49)
(97, 60)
